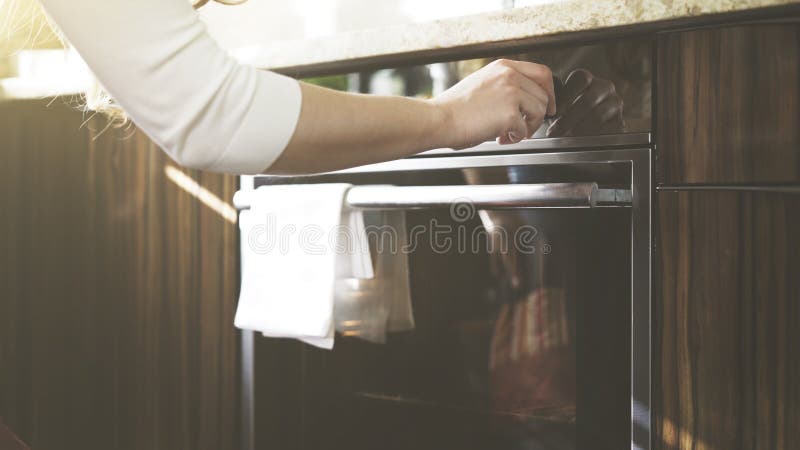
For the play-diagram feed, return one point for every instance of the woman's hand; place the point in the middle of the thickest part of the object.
(505, 100)
(587, 105)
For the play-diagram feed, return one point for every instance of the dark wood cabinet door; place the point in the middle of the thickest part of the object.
(728, 105)
(117, 289)
(727, 321)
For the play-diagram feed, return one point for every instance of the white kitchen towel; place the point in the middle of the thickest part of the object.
(296, 240)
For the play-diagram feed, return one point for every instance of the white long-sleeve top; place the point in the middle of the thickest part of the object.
(159, 63)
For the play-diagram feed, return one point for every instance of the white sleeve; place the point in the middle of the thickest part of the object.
(159, 63)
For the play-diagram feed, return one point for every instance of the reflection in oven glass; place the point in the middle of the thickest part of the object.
(532, 359)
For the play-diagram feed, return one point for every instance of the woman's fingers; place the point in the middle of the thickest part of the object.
(528, 104)
(539, 74)
(533, 89)
(505, 100)
(533, 111)
(530, 113)
(532, 101)
(516, 128)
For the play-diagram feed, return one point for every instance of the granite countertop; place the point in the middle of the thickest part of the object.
(561, 16)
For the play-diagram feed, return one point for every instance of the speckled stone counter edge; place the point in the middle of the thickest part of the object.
(517, 23)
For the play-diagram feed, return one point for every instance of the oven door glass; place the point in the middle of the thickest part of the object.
(518, 335)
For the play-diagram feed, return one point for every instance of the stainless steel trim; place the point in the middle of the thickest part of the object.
(455, 159)
(547, 195)
(730, 187)
(604, 141)
(614, 196)
(641, 300)
(247, 342)
(461, 162)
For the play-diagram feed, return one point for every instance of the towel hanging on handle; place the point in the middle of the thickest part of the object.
(296, 241)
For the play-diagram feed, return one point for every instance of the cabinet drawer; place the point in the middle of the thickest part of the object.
(727, 321)
(728, 105)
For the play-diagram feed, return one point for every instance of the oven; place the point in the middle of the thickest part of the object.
(528, 273)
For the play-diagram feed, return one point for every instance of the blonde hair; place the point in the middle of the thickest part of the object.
(23, 24)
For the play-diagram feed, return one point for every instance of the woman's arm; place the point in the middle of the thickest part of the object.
(209, 112)
(158, 62)
(337, 130)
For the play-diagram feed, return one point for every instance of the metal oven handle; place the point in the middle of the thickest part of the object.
(547, 195)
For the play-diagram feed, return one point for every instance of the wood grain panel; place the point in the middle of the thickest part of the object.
(118, 290)
(728, 105)
(727, 322)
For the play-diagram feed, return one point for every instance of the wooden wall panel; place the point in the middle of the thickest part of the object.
(728, 105)
(727, 322)
(117, 288)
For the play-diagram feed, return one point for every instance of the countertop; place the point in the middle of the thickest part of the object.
(531, 22)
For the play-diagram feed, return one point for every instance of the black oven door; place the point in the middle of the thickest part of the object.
(524, 327)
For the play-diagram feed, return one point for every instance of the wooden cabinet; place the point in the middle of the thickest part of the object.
(726, 312)
(727, 328)
(117, 290)
(728, 105)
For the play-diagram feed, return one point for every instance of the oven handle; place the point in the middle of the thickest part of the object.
(500, 196)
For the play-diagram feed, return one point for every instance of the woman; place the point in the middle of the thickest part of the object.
(156, 59)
